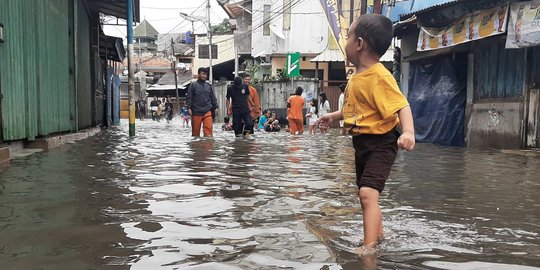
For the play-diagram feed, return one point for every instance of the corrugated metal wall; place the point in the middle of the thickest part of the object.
(499, 72)
(84, 75)
(35, 70)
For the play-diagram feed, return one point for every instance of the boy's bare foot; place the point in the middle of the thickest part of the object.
(365, 250)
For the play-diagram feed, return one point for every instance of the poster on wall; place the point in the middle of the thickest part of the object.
(524, 25)
(473, 26)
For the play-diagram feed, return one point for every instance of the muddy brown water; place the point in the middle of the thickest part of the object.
(167, 201)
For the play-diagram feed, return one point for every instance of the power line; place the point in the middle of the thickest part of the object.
(168, 8)
(292, 4)
(184, 21)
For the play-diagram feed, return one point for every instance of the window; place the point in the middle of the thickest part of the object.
(203, 51)
(286, 14)
(266, 20)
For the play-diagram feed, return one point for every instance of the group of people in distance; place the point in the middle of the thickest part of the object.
(158, 109)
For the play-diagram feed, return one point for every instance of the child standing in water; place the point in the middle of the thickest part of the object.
(372, 111)
(312, 116)
(185, 116)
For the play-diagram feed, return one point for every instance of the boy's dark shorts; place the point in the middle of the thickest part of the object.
(374, 156)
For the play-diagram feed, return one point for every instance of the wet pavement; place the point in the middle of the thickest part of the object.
(167, 201)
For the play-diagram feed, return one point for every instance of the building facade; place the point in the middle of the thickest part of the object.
(56, 67)
(477, 93)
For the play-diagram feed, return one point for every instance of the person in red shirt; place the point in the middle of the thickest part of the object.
(294, 112)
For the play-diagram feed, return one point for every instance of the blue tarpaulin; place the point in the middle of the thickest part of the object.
(437, 95)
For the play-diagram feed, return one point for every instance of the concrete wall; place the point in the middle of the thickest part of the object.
(225, 49)
(495, 125)
(308, 32)
(274, 94)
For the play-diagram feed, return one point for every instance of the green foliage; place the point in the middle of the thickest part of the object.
(223, 27)
(252, 68)
(282, 74)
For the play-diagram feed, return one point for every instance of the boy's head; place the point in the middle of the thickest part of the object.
(247, 79)
(298, 91)
(369, 35)
(237, 81)
(202, 73)
(226, 119)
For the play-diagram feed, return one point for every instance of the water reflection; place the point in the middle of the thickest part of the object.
(165, 200)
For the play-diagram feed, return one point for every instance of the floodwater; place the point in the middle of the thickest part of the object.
(167, 201)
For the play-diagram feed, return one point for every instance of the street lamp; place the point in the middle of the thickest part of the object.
(206, 22)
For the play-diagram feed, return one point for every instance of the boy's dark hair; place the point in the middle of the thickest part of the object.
(342, 87)
(246, 75)
(202, 69)
(226, 119)
(237, 81)
(299, 91)
(376, 30)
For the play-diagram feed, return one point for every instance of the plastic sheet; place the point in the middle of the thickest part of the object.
(437, 94)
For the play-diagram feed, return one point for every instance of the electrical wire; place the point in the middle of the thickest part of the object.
(292, 4)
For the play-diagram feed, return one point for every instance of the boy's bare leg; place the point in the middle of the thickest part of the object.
(369, 199)
(380, 237)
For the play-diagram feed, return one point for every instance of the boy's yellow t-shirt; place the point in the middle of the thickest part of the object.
(372, 100)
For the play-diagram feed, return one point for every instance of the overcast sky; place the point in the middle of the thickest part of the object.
(164, 15)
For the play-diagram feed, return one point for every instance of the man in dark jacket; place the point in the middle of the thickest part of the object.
(201, 101)
(237, 98)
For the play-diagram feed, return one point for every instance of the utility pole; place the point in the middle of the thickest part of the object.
(131, 82)
(363, 7)
(210, 40)
(175, 76)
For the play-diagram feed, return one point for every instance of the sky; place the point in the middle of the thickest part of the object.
(164, 15)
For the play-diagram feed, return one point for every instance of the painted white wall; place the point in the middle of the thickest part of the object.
(308, 33)
(225, 51)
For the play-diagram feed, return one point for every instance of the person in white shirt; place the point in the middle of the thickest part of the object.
(341, 99)
(340, 102)
(324, 108)
(312, 116)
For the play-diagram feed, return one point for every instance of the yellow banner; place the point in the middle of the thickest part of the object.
(473, 26)
(524, 25)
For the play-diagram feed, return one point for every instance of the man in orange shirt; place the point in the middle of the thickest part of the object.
(253, 101)
(294, 112)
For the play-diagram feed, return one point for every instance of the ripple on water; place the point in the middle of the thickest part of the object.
(164, 200)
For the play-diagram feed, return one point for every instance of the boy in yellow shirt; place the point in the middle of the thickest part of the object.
(372, 111)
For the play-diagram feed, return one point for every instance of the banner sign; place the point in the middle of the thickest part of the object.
(524, 25)
(336, 21)
(473, 26)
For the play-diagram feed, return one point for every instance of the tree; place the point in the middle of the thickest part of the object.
(223, 27)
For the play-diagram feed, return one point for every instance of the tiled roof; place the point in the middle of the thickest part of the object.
(150, 61)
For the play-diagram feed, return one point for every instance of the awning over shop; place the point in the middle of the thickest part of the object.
(117, 8)
(111, 48)
(329, 55)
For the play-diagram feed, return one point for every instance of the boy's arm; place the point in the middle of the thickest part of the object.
(331, 117)
(406, 140)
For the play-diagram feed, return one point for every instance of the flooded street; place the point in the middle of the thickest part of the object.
(167, 201)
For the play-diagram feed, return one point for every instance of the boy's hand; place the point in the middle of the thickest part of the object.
(406, 141)
(325, 120)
